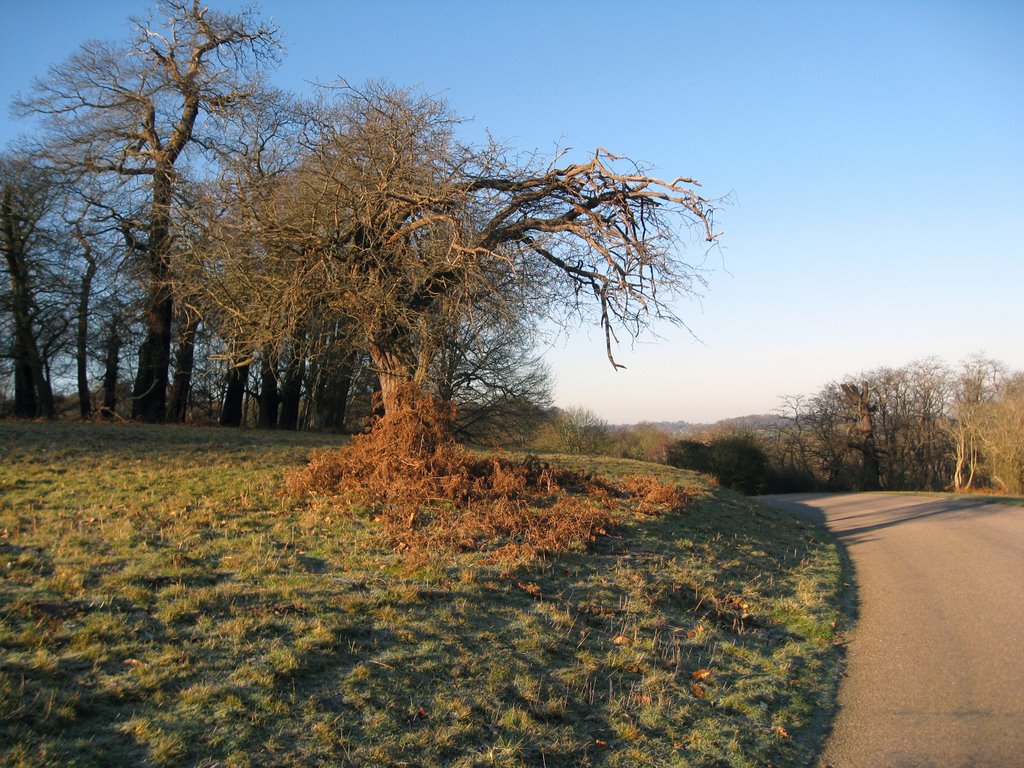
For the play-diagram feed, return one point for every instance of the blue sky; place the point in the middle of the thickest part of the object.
(870, 154)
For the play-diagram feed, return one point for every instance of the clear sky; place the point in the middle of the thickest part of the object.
(871, 155)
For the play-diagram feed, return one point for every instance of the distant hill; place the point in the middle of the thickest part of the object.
(683, 428)
(752, 422)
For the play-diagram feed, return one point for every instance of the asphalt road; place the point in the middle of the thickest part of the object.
(936, 657)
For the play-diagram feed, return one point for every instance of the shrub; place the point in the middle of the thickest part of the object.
(689, 454)
(736, 460)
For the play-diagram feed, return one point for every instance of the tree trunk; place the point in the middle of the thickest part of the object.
(34, 366)
(234, 397)
(332, 395)
(184, 364)
(111, 372)
(865, 431)
(394, 371)
(291, 392)
(25, 405)
(82, 336)
(269, 397)
(149, 397)
(960, 459)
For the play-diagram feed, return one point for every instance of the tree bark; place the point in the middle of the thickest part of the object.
(395, 372)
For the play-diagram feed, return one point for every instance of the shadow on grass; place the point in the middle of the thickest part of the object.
(132, 440)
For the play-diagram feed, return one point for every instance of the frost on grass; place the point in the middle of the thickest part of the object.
(429, 493)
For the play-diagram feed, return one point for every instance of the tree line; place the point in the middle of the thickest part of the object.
(184, 241)
(924, 426)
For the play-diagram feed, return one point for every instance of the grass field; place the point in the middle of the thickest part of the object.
(163, 602)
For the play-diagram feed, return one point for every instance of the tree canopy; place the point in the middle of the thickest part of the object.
(390, 224)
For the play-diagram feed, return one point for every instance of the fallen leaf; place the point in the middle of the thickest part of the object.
(700, 674)
(530, 588)
(697, 691)
(621, 640)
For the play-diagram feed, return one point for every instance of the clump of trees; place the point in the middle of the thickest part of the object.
(256, 257)
(924, 426)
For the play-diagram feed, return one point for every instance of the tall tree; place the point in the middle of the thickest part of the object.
(27, 197)
(862, 433)
(131, 111)
(85, 291)
(974, 390)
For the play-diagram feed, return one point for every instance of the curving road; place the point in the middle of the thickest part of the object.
(936, 657)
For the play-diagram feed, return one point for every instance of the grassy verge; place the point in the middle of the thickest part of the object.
(162, 603)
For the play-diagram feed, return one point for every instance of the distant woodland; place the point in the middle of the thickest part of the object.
(926, 426)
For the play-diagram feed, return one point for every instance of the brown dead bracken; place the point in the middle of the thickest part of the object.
(431, 494)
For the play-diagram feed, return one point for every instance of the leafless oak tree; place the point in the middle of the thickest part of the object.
(132, 111)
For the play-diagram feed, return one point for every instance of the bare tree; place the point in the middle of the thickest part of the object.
(82, 322)
(27, 198)
(489, 367)
(817, 437)
(1002, 432)
(862, 433)
(909, 419)
(974, 389)
(581, 431)
(131, 111)
(393, 227)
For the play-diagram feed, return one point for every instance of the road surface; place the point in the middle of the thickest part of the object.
(936, 657)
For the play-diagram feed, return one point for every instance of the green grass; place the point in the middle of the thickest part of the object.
(163, 603)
